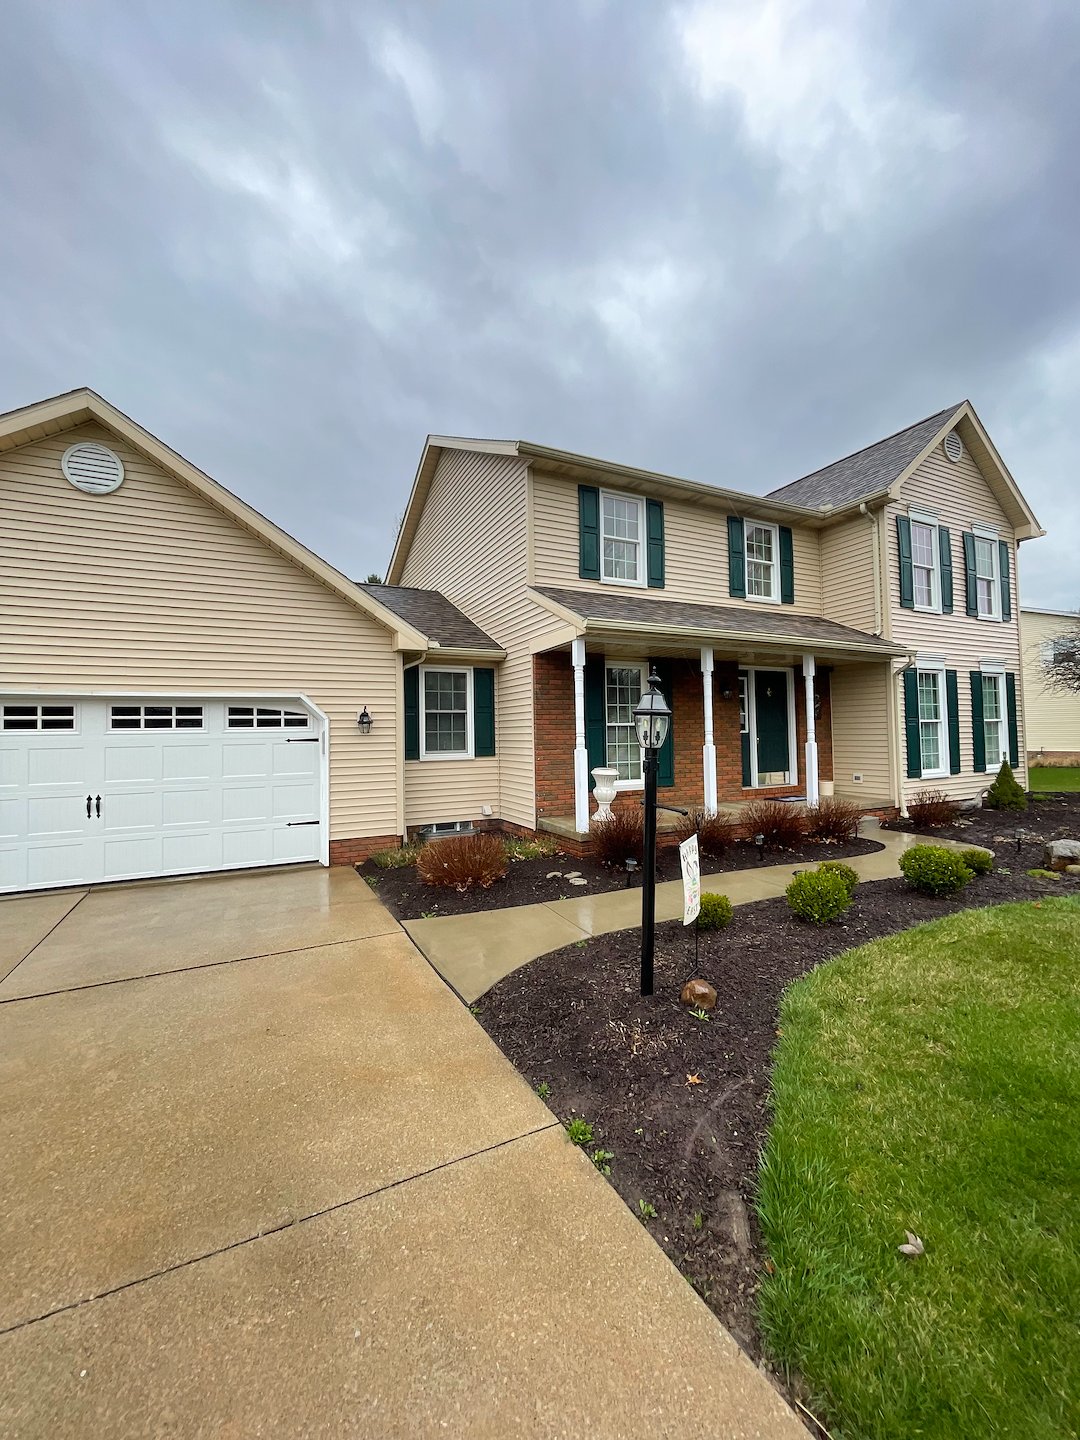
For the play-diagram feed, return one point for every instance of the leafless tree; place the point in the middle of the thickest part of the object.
(1061, 659)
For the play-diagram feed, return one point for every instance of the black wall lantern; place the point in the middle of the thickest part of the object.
(652, 720)
(363, 722)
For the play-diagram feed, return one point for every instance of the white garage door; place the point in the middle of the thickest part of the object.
(121, 789)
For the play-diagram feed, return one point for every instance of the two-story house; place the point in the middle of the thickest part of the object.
(184, 687)
(854, 632)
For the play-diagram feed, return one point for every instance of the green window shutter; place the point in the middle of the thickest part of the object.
(1014, 732)
(1006, 588)
(588, 497)
(907, 578)
(978, 733)
(787, 566)
(665, 768)
(945, 551)
(736, 557)
(412, 713)
(654, 531)
(595, 721)
(911, 724)
(483, 711)
(952, 701)
(971, 590)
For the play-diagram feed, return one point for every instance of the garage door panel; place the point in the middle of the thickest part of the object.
(172, 800)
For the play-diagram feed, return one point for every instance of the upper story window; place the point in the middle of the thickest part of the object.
(762, 546)
(446, 728)
(987, 581)
(924, 565)
(622, 538)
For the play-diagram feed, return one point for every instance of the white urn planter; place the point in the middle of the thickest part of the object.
(604, 777)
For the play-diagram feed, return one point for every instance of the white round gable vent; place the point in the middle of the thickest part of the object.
(954, 447)
(92, 468)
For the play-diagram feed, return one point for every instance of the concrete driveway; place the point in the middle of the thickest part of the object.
(264, 1175)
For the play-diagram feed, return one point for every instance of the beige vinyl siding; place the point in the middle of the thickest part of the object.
(472, 543)
(860, 733)
(848, 584)
(1053, 716)
(961, 497)
(440, 790)
(153, 587)
(696, 555)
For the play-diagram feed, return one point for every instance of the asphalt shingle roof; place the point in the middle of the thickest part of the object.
(867, 471)
(433, 615)
(772, 621)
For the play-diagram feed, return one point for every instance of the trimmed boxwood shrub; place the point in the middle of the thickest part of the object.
(715, 912)
(933, 870)
(979, 862)
(837, 867)
(818, 896)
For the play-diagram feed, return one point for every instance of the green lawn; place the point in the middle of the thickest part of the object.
(931, 1082)
(1052, 777)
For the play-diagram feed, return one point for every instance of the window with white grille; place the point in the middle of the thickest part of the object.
(924, 565)
(932, 740)
(37, 717)
(623, 688)
(622, 530)
(761, 561)
(265, 717)
(155, 717)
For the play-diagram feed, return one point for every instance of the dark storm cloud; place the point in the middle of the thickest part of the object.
(730, 240)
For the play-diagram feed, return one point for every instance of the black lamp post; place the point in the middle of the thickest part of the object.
(652, 719)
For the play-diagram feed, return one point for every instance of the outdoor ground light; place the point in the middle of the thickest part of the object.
(363, 721)
(631, 867)
(652, 720)
(759, 841)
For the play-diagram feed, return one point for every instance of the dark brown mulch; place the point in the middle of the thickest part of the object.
(574, 1020)
(1049, 817)
(526, 883)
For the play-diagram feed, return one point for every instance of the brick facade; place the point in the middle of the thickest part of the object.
(355, 852)
(553, 698)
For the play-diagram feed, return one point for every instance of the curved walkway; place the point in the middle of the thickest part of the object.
(472, 952)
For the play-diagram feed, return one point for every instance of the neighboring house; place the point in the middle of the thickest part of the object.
(181, 682)
(854, 632)
(1053, 716)
(180, 679)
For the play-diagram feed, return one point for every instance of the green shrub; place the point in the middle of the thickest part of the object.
(715, 912)
(1006, 793)
(979, 862)
(818, 896)
(396, 859)
(837, 867)
(933, 870)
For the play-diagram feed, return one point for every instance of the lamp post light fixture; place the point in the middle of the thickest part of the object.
(363, 721)
(759, 841)
(652, 720)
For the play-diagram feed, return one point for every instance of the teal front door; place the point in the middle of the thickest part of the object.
(771, 725)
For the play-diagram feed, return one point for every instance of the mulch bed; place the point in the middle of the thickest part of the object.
(526, 883)
(1048, 817)
(574, 1021)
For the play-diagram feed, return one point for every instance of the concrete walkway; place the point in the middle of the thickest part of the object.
(472, 952)
(263, 1175)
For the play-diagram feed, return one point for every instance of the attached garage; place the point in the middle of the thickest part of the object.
(125, 787)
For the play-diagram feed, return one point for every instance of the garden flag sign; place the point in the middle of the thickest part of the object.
(691, 879)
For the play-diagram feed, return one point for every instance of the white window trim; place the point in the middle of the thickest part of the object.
(930, 519)
(987, 532)
(616, 664)
(941, 771)
(996, 671)
(774, 598)
(643, 540)
(750, 671)
(469, 752)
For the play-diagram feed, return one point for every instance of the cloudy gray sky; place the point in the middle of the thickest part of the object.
(729, 239)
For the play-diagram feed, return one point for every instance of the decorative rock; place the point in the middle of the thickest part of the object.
(577, 880)
(573, 874)
(698, 994)
(1072, 869)
(554, 875)
(1061, 853)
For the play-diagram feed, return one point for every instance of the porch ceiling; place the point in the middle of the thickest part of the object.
(677, 623)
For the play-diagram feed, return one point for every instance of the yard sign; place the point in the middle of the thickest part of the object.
(691, 879)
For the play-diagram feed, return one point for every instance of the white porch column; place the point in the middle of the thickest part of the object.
(808, 669)
(581, 754)
(708, 750)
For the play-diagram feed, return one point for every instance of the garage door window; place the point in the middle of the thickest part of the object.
(155, 717)
(39, 717)
(266, 717)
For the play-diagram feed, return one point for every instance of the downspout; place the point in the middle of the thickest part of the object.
(894, 713)
(864, 509)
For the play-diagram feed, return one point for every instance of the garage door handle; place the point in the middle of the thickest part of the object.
(290, 823)
(97, 807)
(88, 802)
(302, 740)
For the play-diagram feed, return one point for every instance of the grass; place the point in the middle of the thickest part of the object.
(931, 1082)
(1054, 777)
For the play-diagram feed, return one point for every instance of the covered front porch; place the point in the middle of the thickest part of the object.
(751, 717)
